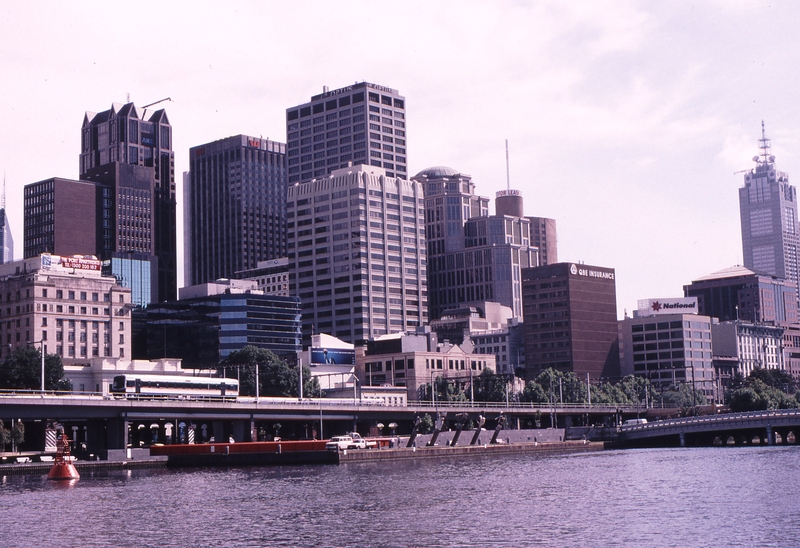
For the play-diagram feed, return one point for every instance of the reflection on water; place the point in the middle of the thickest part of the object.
(664, 497)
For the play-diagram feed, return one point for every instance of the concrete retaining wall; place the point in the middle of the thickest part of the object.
(544, 435)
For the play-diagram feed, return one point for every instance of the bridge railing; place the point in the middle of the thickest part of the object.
(332, 402)
(711, 419)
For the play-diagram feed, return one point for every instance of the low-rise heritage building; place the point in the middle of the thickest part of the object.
(412, 360)
(491, 328)
(65, 306)
(753, 346)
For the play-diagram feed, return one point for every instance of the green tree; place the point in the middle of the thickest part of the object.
(275, 376)
(534, 393)
(490, 387)
(759, 396)
(446, 390)
(426, 424)
(609, 393)
(684, 396)
(638, 389)
(774, 378)
(562, 385)
(5, 436)
(23, 370)
(18, 434)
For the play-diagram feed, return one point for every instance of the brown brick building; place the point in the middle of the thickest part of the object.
(570, 314)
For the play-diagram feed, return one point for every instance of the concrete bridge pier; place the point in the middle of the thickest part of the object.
(784, 434)
(770, 435)
(683, 439)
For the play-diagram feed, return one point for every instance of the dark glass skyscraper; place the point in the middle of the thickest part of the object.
(132, 155)
(235, 203)
(359, 124)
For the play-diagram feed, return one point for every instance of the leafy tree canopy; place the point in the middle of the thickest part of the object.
(275, 376)
(23, 370)
(756, 395)
(490, 386)
(774, 378)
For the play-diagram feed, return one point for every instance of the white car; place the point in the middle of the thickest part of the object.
(340, 443)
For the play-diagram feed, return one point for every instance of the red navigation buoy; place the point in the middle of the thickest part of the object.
(63, 469)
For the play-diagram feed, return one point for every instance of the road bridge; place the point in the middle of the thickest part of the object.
(100, 423)
(759, 427)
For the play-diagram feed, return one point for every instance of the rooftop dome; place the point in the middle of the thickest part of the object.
(437, 172)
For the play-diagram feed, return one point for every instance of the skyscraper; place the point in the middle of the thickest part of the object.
(61, 217)
(545, 237)
(362, 124)
(473, 257)
(768, 209)
(356, 247)
(7, 243)
(571, 320)
(133, 156)
(236, 204)
(6, 240)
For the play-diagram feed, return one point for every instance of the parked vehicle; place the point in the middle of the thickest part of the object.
(352, 440)
(340, 443)
(363, 443)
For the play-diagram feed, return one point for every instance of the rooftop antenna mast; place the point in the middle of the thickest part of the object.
(508, 175)
(3, 202)
(764, 145)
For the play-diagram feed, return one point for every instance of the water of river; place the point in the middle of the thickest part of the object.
(649, 497)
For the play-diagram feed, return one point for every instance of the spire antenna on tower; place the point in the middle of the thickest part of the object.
(3, 201)
(764, 145)
(508, 174)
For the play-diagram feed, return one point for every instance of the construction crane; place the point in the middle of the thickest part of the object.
(159, 101)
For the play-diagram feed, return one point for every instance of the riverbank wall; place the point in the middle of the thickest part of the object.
(84, 467)
(467, 451)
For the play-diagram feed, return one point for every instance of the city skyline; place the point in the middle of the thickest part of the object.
(626, 121)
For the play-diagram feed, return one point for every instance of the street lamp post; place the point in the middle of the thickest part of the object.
(433, 389)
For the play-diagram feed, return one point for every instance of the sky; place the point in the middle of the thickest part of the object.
(627, 122)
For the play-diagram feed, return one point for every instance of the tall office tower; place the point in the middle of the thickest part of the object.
(60, 217)
(363, 124)
(66, 217)
(187, 231)
(473, 257)
(545, 237)
(768, 208)
(236, 201)
(6, 240)
(356, 247)
(571, 320)
(133, 156)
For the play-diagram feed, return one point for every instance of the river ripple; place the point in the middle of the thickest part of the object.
(650, 497)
